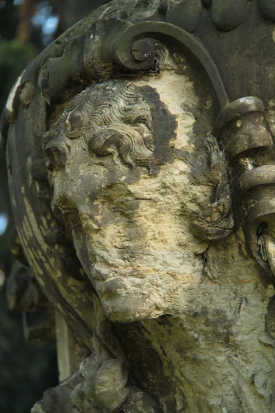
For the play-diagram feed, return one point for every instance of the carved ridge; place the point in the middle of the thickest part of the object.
(120, 49)
(243, 131)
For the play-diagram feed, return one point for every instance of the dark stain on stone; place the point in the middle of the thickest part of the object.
(163, 7)
(270, 317)
(267, 7)
(206, 3)
(165, 320)
(144, 359)
(164, 125)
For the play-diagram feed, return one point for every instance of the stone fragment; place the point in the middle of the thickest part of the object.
(139, 402)
(110, 385)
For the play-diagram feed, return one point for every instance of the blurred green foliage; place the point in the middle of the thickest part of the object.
(8, 19)
(25, 371)
(14, 57)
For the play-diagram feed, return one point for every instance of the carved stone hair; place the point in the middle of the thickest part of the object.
(112, 117)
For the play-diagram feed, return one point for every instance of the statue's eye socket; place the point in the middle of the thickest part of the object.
(74, 123)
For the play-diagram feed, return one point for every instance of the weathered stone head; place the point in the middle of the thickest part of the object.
(125, 180)
(131, 182)
(128, 173)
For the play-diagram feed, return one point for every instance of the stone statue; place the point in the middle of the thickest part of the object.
(141, 171)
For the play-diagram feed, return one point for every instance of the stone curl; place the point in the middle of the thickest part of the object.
(113, 118)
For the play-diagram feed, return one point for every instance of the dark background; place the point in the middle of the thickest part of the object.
(26, 27)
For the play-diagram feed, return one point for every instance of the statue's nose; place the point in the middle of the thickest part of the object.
(57, 153)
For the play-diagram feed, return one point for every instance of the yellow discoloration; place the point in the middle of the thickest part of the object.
(34, 227)
(13, 201)
(45, 223)
(37, 186)
(68, 288)
(58, 274)
(175, 91)
(29, 169)
(31, 258)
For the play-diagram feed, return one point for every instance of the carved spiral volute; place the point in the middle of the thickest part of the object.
(249, 145)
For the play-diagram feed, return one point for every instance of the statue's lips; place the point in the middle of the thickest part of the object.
(131, 299)
(114, 286)
(134, 285)
(117, 286)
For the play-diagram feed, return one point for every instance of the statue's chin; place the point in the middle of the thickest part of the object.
(130, 301)
(127, 309)
(131, 291)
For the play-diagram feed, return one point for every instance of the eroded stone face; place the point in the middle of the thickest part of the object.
(122, 159)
